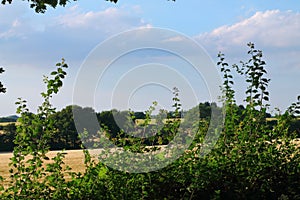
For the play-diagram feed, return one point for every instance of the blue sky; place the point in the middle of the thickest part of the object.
(31, 44)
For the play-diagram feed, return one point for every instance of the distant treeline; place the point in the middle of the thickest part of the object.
(12, 118)
(67, 137)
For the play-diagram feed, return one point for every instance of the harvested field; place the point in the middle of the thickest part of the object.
(73, 158)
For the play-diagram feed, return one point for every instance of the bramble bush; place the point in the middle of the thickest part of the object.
(251, 160)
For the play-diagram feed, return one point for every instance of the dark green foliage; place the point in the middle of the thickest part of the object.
(139, 115)
(13, 118)
(295, 127)
(2, 88)
(6, 139)
(106, 119)
(66, 136)
(40, 6)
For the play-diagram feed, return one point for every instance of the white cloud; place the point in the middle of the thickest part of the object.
(73, 22)
(275, 32)
(110, 20)
(71, 34)
(272, 28)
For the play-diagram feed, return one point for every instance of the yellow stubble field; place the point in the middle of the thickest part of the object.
(73, 158)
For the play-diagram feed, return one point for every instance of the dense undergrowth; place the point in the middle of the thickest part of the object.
(251, 160)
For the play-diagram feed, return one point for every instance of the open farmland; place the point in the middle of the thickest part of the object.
(6, 123)
(73, 158)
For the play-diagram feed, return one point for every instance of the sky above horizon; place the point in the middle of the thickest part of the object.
(31, 44)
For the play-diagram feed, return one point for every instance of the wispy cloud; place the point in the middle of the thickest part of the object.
(110, 20)
(175, 39)
(31, 45)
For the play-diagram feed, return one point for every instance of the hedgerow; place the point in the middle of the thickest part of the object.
(251, 160)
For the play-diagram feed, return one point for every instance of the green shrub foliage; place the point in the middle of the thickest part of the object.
(251, 160)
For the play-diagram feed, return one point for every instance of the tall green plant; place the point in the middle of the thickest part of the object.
(259, 156)
(228, 97)
(29, 175)
(256, 93)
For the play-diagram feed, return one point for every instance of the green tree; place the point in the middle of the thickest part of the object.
(6, 139)
(66, 136)
(139, 115)
(106, 119)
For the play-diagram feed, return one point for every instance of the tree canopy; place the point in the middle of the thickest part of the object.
(40, 6)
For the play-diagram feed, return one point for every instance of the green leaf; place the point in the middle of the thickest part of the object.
(266, 98)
